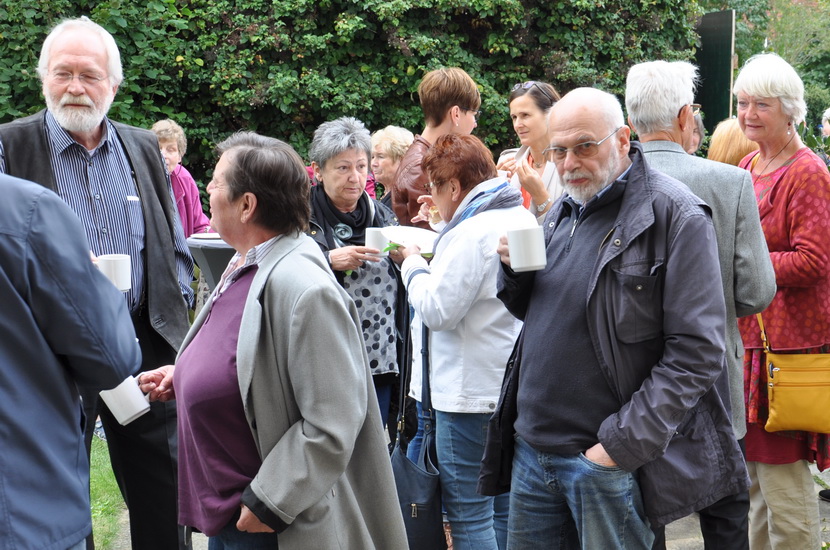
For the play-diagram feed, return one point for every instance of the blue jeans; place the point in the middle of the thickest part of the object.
(231, 538)
(478, 522)
(384, 395)
(568, 502)
(414, 448)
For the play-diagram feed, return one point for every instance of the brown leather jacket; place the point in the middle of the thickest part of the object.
(410, 183)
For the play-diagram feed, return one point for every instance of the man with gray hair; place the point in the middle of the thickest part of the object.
(658, 97)
(611, 401)
(114, 179)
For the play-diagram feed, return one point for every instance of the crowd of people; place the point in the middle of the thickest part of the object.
(637, 387)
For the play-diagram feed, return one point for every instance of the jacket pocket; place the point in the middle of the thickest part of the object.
(686, 476)
(637, 301)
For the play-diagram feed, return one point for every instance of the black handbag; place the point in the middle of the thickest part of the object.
(419, 488)
(497, 462)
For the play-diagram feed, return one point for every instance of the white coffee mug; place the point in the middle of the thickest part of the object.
(125, 401)
(527, 249)
(375, 239)
(117, 269)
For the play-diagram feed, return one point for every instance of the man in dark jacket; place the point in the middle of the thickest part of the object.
(114, 179)
(617, 419)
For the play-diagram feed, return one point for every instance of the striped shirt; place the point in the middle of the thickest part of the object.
(99, 187)
(254, 256)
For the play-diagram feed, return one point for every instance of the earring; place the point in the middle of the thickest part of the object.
(789, 131)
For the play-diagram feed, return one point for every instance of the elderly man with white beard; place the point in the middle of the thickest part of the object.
(612, 421)
(114, 179)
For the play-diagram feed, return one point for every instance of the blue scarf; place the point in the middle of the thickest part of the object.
(503, 195)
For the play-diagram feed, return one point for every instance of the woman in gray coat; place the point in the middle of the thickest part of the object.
(280, 438)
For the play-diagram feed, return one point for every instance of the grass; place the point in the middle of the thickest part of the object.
(107, 504)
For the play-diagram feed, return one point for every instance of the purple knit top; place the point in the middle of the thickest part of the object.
(217, 454)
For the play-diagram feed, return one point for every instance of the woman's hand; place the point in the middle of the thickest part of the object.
(504, 251)
(399, 254)
(531, 181)
(349, 258)
(508, 165)
(249, 523)
(426, 210)
(158, 383)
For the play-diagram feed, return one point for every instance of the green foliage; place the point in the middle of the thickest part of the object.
(282, 67)
(820, 144)
(818, 100)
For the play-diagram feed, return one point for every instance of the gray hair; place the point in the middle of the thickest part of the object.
(655, 92)
(337, 136)
(114, 69)
(394, 141)
(768, 75)
(826, 116)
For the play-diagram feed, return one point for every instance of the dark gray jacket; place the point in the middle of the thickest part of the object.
(656, 318)
(26, 150)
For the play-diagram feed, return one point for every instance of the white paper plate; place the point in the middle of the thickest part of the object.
(205, 236)
(406, 236)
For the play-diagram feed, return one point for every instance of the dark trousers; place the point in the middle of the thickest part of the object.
(143, 455)
(724, 524)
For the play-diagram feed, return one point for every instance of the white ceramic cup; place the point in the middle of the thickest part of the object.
(527, 249)
(117, 269)
(375, 239)
(125, 401)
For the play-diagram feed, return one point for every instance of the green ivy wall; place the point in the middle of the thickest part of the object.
(282, 67)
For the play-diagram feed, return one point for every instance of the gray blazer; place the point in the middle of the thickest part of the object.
(310, 403)
(746, 270)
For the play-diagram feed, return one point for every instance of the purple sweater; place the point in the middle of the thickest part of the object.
(217, 454)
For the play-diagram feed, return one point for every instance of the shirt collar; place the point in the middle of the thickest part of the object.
(61, 138)
(254, 256)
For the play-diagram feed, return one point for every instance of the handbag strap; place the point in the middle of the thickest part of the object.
(763, 333)
(404, 370)
(426, 400)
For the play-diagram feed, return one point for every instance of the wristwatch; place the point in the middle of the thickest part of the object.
(541, 207)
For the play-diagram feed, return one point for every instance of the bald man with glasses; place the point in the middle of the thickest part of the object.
(610, 412)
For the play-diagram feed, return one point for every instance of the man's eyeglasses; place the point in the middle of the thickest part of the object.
(64, 77)
(475, 112)
(582, 150)
(529, 84)
(695, 109)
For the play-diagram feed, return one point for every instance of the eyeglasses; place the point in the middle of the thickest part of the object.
(529, 84)
(582, 150)
(65, 77)
(695, 109)
(476, 113)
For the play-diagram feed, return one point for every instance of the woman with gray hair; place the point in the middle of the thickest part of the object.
(792, 187)
(341, 211)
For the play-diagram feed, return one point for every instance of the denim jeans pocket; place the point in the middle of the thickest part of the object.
(598, 467)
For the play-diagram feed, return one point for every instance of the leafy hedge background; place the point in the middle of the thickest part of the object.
(282, 67)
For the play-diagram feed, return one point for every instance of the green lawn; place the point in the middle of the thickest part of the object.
(107, 504)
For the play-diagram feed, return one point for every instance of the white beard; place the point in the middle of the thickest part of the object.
(586, 191)
(74, 119)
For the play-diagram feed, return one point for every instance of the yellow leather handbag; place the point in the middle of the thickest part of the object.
(798, 386)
